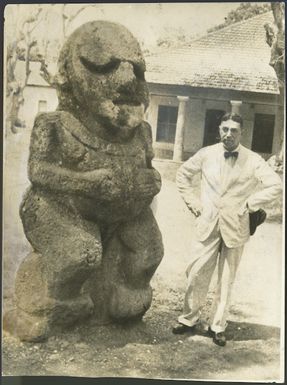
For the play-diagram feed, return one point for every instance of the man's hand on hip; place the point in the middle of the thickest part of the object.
(245, 209)
(196, 211)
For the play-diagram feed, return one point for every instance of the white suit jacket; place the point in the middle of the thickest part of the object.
(223, 199)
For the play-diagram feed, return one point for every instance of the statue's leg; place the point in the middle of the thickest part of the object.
(121, 289)
(49, 281)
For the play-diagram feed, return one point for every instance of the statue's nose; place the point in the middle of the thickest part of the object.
(128, 86)
(125, 73)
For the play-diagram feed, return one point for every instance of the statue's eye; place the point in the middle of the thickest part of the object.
(112, 65)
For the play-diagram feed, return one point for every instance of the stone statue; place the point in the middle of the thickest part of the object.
(95, 241)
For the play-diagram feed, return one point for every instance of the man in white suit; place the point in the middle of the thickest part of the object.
(235, 181)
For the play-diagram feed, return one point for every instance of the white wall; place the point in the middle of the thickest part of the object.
(204, 99)
(32, 96)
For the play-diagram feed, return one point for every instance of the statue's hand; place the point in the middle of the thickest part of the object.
(108, 185)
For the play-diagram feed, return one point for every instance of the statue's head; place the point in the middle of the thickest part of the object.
(101, 72)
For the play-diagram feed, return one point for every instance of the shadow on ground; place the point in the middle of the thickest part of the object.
(244, 331)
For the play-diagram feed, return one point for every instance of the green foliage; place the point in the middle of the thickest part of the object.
(243, 12)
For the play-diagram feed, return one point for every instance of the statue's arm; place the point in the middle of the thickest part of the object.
(46, 171)
(148, 179)
(147, 137)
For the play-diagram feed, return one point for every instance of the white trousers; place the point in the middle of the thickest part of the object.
(209, 253)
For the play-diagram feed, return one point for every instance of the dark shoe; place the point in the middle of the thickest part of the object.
(181, 329)
(218, 338)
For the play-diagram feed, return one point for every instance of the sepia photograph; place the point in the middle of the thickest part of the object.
(143, 191)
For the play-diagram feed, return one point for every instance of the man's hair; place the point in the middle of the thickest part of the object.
(232, 116)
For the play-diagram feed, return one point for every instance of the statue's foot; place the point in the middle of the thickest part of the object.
(38, 327)
(69, 311)
(129, 303)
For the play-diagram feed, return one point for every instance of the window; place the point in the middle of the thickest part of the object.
(42, 106)
(166, 124)
(211, 128)
(263, 133)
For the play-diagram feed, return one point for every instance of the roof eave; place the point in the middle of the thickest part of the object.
(261, 91)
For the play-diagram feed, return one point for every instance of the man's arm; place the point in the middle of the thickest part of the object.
(271, 186)
(185, 182)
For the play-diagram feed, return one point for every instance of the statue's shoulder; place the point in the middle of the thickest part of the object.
(45, 125)
(63, 123)
(69, 126)
(62, 119)
(47, 118)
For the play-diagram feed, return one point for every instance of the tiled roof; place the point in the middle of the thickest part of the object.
(235, 57)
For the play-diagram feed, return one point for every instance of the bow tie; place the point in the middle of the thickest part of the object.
(230, 154)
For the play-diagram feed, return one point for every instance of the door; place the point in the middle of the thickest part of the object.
(211, 128)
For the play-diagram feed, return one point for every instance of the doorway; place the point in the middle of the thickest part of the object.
(211, 130)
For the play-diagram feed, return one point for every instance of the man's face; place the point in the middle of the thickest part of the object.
(230, 134)
(106, 69)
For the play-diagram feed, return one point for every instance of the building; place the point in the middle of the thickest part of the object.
(191, 88)
(38, 95)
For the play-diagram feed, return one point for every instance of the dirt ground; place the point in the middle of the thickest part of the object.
(148, 349)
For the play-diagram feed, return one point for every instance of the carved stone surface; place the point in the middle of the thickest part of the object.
(95, 241)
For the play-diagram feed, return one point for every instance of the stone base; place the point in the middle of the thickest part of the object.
(35, 327)
(26, 327)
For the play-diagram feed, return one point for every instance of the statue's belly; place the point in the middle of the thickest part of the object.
(110, 211)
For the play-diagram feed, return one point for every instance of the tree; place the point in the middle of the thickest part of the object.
(19, 48)
(68, 15)
(27, 40)
(275, 38)
(243, 12)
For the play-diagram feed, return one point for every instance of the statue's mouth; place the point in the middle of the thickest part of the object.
(128, 102)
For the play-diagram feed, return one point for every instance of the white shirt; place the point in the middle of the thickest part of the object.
(227, 165)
